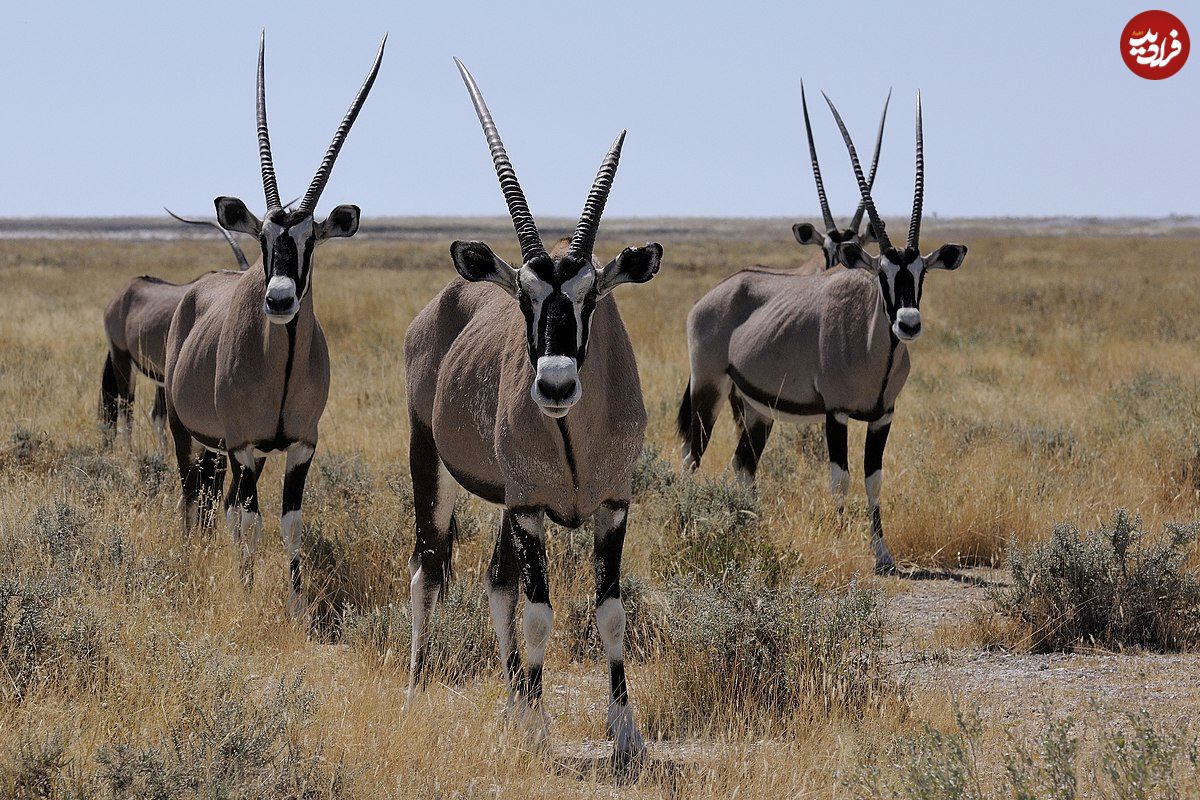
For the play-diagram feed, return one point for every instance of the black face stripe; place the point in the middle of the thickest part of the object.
(282, 255)
(556, 334)
(554, 328)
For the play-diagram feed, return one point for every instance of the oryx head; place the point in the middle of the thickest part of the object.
(901, 272)
(288, 238)
(808, 234)
(556, 295)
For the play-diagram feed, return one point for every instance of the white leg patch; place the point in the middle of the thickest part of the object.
(874, 482)
(250, 525)
(423, 600)
(291, 526)
(839, 484)
(538, 622)
(447, 493)
(610, 624)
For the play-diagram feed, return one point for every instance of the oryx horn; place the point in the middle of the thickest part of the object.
(914, 224)
(858, 212)
(514, 197)
(309, 203)
(270, 187)
(237, 250)
(865, 190)
(584, 238)
(830, 225)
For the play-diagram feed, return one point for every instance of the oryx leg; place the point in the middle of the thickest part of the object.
(158, 419)
(503, 575)
(434, 493)
(537, 620)
(299, 458)
(116, 395)
(839, 465)
(241, 509)
(755, 428)
(698, 413)
(608, 543)
(877, 434)
(190, 478)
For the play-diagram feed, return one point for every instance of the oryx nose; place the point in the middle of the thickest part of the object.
(556, 389)
(281, 294)
(557, 378)
(908, 320)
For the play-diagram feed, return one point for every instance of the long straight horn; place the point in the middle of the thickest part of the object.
(816, 168)
(863, 188)
(243, 264)
(857, 220)
(514, 197)
(914, 224)
(270, 188)
(584, 238)
(309, 203)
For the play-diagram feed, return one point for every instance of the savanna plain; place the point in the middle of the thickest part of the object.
(1039, 640)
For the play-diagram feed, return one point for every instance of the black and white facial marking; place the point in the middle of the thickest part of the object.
(902, 279)
(807, 234)
(557, 297)
(288, 239)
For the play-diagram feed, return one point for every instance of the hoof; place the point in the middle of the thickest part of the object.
(885, 567)
(628, 745)
(532, 722)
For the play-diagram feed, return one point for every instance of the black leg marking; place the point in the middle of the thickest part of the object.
(299, 460)
(610, 525)
(503, 574)
(839, 466)
(116, 391)
(835, 440)
(755, 429)
(429, 566)
(699, 407)
(189, 471)
(530, 545)
(877, 435)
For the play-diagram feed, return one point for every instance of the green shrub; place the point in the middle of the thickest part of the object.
(462, 646)
(1133, 759)
(229, 743)
(1110, 588)
(769, 654)
(715, 524)
(645, 624)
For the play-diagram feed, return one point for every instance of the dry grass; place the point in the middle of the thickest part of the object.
(1057, 381)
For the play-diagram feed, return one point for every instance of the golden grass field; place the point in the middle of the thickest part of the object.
(1057, 380)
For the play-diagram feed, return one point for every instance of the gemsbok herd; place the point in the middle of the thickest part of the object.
(521, 383)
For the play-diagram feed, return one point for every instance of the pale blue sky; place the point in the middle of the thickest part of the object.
(117, 108)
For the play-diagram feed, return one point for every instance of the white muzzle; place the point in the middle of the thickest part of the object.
(908, 324)
(556, 386)
(281, 302)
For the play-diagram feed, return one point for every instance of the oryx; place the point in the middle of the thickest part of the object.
(135, 323)
(523, 389)
(247, 365)
(831, 344)
(805, 232)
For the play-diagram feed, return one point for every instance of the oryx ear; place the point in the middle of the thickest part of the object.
(475, 261)
(853, 256)
(632, 265)
(806, 233)
(868, 236)
(948, 256)
(233, 215)
(341, 223)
